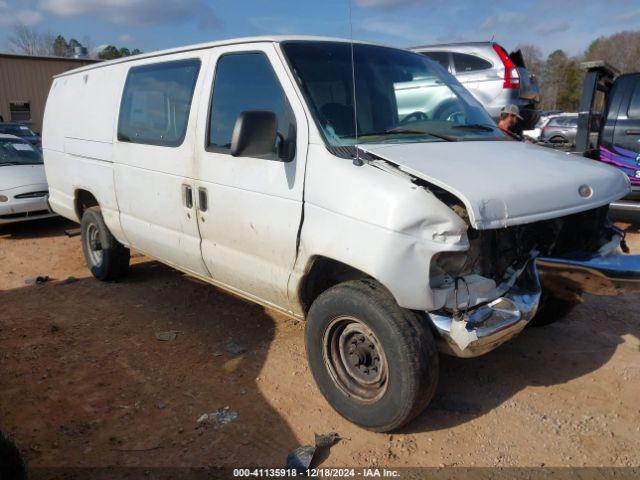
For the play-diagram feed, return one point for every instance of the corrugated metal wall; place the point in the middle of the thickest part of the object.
(28, 79)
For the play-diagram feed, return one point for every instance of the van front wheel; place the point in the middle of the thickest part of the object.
(107, 258)
(374, 362)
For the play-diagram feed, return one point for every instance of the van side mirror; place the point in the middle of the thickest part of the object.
(254, 134)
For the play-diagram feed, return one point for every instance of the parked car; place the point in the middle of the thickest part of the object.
(245, 163)
(493, 76)
(545, 116)
(560, 129)
(23, 185)
(22, 131)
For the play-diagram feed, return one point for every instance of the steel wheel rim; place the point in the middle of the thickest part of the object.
(93, 245)
(355, 359)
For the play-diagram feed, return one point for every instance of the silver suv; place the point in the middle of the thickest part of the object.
(493, 76)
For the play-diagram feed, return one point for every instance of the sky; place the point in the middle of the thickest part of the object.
(157, 24)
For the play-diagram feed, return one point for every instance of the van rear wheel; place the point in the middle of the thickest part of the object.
(107, 258)
(374, 362)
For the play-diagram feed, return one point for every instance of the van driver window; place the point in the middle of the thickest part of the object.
(156, 103)
(246, 81)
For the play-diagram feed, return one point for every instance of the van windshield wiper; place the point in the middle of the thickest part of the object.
(401, 131)
(476, 126)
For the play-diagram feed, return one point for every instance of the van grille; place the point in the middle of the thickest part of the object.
(574, 235)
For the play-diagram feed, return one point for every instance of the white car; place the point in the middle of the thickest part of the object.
(23, 185)
(395, 233)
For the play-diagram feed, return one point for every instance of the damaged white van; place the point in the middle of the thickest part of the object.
(374, 197)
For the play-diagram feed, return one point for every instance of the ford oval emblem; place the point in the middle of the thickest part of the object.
(585, 191)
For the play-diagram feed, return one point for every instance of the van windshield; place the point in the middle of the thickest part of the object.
(401, 96)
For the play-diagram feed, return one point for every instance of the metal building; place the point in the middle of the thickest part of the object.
(24, 85)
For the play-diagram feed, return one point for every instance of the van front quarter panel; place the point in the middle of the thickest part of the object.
(377, 222)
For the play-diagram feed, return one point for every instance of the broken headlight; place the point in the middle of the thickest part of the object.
(447, 266)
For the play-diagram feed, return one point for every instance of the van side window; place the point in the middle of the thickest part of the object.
(634, 104)
(246, 81)
(156, 103)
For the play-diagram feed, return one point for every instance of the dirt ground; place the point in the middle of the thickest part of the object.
(84, 381)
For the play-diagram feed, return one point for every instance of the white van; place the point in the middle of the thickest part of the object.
(395, 232)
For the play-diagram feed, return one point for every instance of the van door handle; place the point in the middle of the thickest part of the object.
(634, 131)
(187, 196)
(203, 199)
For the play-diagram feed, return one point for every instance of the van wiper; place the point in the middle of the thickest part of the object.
(401, 131)
(476, 126)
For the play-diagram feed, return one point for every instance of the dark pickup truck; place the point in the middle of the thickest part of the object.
(609, 128)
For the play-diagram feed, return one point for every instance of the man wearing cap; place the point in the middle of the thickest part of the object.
(509, 116)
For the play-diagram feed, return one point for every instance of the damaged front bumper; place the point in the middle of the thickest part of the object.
(481, 329)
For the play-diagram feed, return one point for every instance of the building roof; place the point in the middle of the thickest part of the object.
(219, 43)
(47, 57)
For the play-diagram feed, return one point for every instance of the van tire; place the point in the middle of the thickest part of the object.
(551, 310)
(407, 363)
(107, 258)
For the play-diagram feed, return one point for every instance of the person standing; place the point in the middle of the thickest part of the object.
(509, 116)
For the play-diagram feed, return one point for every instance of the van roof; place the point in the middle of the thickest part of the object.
(202, 46)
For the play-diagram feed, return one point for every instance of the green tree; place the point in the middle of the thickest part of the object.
(569, 93)
(562, 82)
(110, 52)
(60, 46)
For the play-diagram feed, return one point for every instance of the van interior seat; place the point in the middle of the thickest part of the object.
(340, 117)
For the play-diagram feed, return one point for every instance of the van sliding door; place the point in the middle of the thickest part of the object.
(154, 159)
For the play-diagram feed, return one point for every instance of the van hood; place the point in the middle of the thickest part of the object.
(13, 176)
(504, 183)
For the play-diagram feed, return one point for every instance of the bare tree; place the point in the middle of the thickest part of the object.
(28, 41)
(532, 59)
(622, 50)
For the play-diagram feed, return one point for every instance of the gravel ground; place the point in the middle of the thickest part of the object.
(105, 374)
